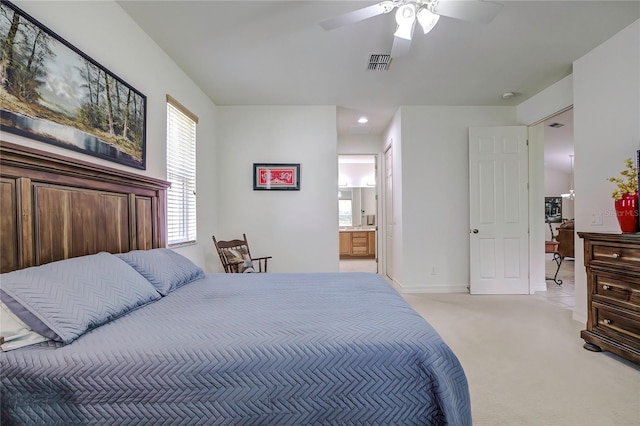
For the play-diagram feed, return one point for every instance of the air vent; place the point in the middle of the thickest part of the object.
(379, 62)
(556, 125)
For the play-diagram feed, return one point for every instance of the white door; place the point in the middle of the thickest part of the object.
(499, 214)
(388, 212)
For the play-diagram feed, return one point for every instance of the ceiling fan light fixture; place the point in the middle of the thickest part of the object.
(406, 20)
(571, 195)
(427, 19)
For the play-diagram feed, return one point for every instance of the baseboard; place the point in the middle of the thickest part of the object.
(538, 287)
(580, 317)
(435, 289)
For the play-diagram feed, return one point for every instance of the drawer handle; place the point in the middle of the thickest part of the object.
(606, 321)
(606, 287)
(616, 255)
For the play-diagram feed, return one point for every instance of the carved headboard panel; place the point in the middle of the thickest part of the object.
(54, 207)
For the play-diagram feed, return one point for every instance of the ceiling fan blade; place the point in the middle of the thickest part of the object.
(356, 15)
(401, 47)
(469, 10)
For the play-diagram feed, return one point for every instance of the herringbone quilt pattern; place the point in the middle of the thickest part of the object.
(247, 349)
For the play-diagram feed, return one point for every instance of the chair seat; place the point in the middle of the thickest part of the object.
(551, 246)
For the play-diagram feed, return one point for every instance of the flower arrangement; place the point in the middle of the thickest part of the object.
(628, 183)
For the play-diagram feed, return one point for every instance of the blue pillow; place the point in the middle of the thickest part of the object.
(63, 300)
(164, 268)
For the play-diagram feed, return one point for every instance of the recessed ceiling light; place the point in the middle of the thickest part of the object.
(363, 120)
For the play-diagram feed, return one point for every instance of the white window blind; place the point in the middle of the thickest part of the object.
(181, 172)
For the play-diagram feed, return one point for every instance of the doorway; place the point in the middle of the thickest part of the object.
(558, 185)
(358, 212)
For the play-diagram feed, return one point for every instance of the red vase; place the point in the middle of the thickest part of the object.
(627, 213)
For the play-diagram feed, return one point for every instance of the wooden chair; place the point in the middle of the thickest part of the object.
(236, 257)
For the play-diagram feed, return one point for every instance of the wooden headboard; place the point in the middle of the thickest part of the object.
(54, 207)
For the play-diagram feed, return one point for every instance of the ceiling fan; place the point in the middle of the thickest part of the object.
(426, 12)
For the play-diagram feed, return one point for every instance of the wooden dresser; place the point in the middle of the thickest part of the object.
(613, 293)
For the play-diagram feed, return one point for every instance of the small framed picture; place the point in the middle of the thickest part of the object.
(553, 209)
(274, 176)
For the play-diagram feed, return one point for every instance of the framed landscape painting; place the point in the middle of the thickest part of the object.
(52, 92)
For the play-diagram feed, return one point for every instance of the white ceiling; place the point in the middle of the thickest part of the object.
(275, 53)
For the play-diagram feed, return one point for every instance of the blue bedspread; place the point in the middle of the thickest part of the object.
(247, 349)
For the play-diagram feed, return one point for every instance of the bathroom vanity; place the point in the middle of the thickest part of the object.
(357, 243)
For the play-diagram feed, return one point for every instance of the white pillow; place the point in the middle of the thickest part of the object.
(16, 333)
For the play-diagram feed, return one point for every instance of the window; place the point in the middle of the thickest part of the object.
(345, 207)
(345, 215)
(181, 172)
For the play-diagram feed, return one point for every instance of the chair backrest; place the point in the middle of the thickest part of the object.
(234, 254)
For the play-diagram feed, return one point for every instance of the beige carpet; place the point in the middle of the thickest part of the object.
(525, 363)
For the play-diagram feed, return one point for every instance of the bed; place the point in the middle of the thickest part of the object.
(143, 336)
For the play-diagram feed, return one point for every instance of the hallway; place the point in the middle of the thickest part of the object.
(560, 295)
(357, 265)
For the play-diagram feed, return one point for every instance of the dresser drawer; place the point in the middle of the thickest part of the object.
(617, 254)
(359, 251)
(617, 323)
(359, 241)
(617, 288)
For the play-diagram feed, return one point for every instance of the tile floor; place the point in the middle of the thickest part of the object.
(560, 295)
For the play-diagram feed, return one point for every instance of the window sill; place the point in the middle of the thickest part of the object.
(185, 244)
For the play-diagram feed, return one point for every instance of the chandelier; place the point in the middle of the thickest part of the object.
(571, 195)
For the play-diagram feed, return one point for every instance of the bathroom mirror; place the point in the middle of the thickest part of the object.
(356, 206)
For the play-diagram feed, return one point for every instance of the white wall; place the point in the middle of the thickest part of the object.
(606, 87)
(298, 228)
(359, 144)
(556, 182)
(548, 102)
(435, 190)
(129, 53)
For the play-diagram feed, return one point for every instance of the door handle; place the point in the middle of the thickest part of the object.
(475, 231)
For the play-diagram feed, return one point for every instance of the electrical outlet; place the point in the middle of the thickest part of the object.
(596, 218)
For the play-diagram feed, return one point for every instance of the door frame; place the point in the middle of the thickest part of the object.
(537, 228)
